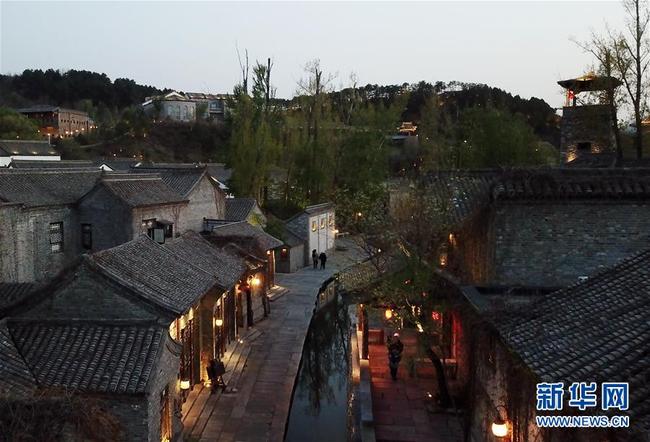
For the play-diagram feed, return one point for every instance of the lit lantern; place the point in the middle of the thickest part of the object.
(185, 384)
(388, 313)
(218, 322)
(255, 282)
(500, 428)
(435, 315)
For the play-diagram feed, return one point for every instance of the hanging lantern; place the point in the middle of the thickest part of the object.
(388, 313)
(185, 384)
(436, 316)
(218, 322)
(255, 282)
(500, 428)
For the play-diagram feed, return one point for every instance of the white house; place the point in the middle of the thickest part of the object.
(316, 225)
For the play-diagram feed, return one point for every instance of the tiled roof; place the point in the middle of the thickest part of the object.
(462, 192)
(97, 356)
(141, 190)
(156, 273)
(118, 164)
(319, 208)
(13, 293)
(181, 179)
(26, 147)
(238, 209)
(597, 330)
(299, 225)
(244, 230)
(61, 164)
(46, 188)
(15, 377)
(193, 248)
(574, 184)
(220, 172)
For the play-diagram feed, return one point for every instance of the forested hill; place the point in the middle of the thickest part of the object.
(73, 88)
(455, 97)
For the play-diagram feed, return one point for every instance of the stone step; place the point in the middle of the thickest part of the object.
(277, 292)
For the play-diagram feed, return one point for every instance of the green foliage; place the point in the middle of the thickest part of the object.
(491, 138)
(14, 125)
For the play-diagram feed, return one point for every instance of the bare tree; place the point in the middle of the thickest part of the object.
(631, 58)
(243, 65)
(603, 49)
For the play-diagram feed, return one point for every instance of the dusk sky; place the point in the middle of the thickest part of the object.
(522, 47)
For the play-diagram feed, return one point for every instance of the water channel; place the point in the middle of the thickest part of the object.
(320, 410)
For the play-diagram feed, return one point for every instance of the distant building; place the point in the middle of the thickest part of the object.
(55, 121)
(215, 104)
(11, 150)
(184, 107)
(173, 106)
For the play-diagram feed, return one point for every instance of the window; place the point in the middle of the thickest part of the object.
(284, 254)
(314, 226)
(322, 223)
(56, 237)
(331, 220)
(87, 236)
(169, 230)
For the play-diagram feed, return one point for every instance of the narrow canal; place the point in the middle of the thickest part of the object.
(319, 410)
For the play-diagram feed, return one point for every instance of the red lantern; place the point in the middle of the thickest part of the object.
(436, 316)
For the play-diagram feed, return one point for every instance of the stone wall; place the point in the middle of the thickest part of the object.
(586, 124)
(552, 244)
(25, 240)
(206, 201)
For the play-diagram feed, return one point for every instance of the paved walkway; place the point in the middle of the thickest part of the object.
(399, 406)
(261, 371)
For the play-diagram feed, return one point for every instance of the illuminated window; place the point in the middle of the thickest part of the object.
(322, 223)
(314, 226)
(331, 220)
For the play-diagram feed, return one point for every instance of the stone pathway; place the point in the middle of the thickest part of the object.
(261, 371)
(399, 406)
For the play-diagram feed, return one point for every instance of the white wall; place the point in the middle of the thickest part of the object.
(323, 238)
(4, 161)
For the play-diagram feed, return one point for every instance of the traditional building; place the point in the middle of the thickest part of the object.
(33, 151)
(587, 129)
(316, 226)
(173, 106)
(245, 209)
(593, 331)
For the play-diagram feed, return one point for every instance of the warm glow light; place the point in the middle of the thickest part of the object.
(358, 214)
(185, 384)
(255, 282)
(218, 322)
(388, 313)
(500, 428)
(435, 316)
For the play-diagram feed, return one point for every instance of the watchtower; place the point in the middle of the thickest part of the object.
(587, 129)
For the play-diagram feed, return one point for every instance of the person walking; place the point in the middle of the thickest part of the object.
(314, 258)
(323, 260)
(395, 349)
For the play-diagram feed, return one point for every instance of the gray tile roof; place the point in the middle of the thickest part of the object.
(61, 164)
(597, 330)
(13, 293)
(118, 163)
(196, 250)
(15, 377)
(155, 273)
(220, 172)
(242, 230)
(46, 188)
(97, 356)
(141, 190)
(181, 179)
(238, 209)
(26, 147)
(299, 225)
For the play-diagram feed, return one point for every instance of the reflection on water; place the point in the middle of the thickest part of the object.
(319, 411)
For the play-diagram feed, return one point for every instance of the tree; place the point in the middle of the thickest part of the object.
(17, 126)
(404, 239)
(631, 57)
(604, 50)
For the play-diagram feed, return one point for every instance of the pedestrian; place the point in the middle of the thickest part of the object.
(395, 349)
(314, 258)
(323, 260)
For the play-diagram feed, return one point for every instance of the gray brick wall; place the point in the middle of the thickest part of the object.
(554, 244)
(206, 201)
(111, 219)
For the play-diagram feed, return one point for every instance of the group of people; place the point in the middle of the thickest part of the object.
(315, 257)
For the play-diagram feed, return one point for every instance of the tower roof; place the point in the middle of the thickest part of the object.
(589, 82)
